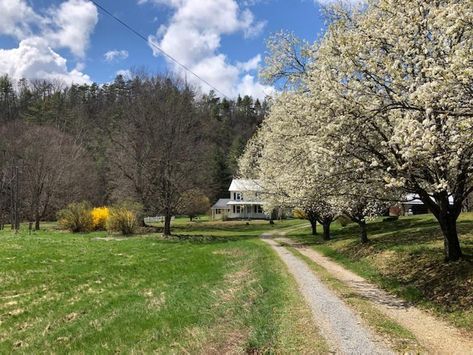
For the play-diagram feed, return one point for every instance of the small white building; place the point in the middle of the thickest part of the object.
(411, 205)
(244, 203)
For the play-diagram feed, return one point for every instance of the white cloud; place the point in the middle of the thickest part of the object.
(125, 73)
(193, 37)
(68, 26)
(112, 55)
(72, 25)
(34, 59)
(251, 64)
(251, 28)
(250, 86)
(16, 18)
(252, 2)
(216, 71)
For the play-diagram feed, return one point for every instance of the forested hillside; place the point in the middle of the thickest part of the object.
(153, 140)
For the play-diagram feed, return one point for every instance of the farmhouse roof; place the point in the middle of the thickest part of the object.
(246, 203)
(241, 185)
(221, 204)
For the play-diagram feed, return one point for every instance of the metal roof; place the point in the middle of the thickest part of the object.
(243, 203)
(413, 199)
(221, 204)
(241, 185)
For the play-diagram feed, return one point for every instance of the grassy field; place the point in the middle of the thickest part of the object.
(406, 257)
(223, 292)
(213, 288)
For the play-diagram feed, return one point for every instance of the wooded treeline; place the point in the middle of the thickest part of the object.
(151, 139)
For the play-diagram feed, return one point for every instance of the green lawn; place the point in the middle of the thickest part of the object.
(406, 257)
(181, 227)
(226, 292)
(213, 288)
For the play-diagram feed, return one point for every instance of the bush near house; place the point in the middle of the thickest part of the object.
(299, 213)
(80, 217)
(76, 217)
(100, 216)
(124, 218)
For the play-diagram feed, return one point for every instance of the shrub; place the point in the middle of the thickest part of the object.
(343, 220)
(298, 213)
(76, 217)
(99, 217)
(124, 218)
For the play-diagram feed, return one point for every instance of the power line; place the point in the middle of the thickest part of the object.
(154, 45)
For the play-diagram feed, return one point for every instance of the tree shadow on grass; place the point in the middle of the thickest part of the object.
(388, 234)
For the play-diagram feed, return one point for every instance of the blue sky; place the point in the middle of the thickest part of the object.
(222, 40)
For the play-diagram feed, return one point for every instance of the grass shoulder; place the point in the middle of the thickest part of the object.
(405, 257)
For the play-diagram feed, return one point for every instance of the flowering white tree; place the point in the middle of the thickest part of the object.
(386, 95)
(290, 158)
(282, 158)
(287, 60)
(396, 85)
(359, 202)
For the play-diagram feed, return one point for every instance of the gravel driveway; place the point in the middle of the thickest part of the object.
(432, 333)
(343, 329)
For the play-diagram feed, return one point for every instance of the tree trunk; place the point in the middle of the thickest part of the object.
(313, 225)
(272, 216)
(452, 249)
(12, 214)
(37, 221)
(312, 217)
(363, 232)
(167, 225)
(326, 227)
(447, 215)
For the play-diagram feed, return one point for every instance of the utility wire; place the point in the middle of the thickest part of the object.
(154, 45)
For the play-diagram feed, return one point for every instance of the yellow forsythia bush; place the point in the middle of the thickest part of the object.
(100, 216)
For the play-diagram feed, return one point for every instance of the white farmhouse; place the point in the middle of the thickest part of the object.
(244, 203)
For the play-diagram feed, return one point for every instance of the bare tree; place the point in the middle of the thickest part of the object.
(158, 148)
(194, 203)
(48, 166)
